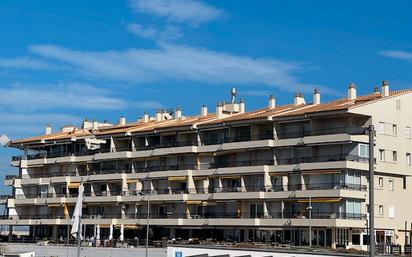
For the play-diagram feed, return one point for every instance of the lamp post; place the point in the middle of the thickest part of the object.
(147, 224)
(309, 208)
(371, 134)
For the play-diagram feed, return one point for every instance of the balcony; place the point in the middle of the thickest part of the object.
(322, 158)
(167, 145)
(320, 132)
(241, 163)
(10, 177)
(218, 141)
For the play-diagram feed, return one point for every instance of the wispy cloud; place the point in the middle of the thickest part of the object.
(395, 54)
(188, 11)
(147, 105)
(168, 33)
(24, 63)
(25, 97)
(178, 62)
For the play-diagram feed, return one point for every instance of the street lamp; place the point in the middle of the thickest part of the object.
(371, 133)
(309, 208)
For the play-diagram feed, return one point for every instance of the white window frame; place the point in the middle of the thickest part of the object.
(408, 159)
(366, 146)
(380, 181)
(394, 129)
(391, 184)
(408, 132)
(381, 128)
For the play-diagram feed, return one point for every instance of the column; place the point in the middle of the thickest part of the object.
(112, 145)
(285, 182)
(54, 232)
(121, 238)
(265, 210)
(206, 185)
(219, 185)
(111, 232)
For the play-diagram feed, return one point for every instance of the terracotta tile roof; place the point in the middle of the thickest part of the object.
(210, 119)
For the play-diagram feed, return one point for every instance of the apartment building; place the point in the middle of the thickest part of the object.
(229, 175)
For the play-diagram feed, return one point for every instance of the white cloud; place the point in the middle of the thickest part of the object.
(24, 63)
(147, 105)
(178, 62)
(168, 33)
(60, 96)
(194, 12)
(401, 55)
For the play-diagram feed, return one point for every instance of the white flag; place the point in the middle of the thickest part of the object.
(4, 140)
(77, 214)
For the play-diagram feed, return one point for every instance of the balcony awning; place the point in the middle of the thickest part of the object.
(318, 200)
(230, 177)
(320, 172)
(193, 202)
(73, 185)
(54, 205)
(131, 227)
(200, 178)
(132, 180)
(276, 174)
(104, 225)
(180, 178)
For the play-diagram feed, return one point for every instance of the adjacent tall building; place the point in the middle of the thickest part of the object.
(229, 175)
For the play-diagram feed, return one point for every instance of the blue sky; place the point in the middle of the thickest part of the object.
(61, 61)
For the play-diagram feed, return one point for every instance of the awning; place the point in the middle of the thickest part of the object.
(130, 227)
(73, 185)
(193, 202)
(276, 174)
(318, 200)
(104, 226)
(132, 180)
(230, 177)
(199, 178)
(180, 178)
(320, 172)
(54, 205)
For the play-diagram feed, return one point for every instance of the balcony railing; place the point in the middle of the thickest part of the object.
(9, 177)
(322, 158)
(241, 163)
(318, 132)
(205, 215)
(167, 145)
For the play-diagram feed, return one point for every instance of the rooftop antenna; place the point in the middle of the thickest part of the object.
(233, 94)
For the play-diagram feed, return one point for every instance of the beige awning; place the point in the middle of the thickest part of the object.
(132, 180)
(73, 185)
(316, 200)
(180, 178)
(320, 172)
(199, 178)
(54, 205)
(230, 177)
(193, 202)
(276, 174)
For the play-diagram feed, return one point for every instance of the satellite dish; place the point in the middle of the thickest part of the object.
(4, 140)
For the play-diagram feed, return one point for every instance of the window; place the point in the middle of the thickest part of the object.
(391, 211)
(394, 129)
(398, 104)
(395, 156)
(390, 182)
(404, 182)
(380, 209)
(381, 128)
(408, 159)
(381, 155)
(363, 150)
(408, 132)
(355, 239)
(380, 181)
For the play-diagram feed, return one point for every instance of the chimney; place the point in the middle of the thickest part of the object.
(299, 99)
(219, 110)
(316, 96)
(203, 110)
(158, 115)
(351, 91)
(145, 117)
(376, 90)
(94, 125)
(122, 120)
(242, 106)
(178, 113)
(48, 129)
(385, 88)
(233, 95)
(272, 102)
